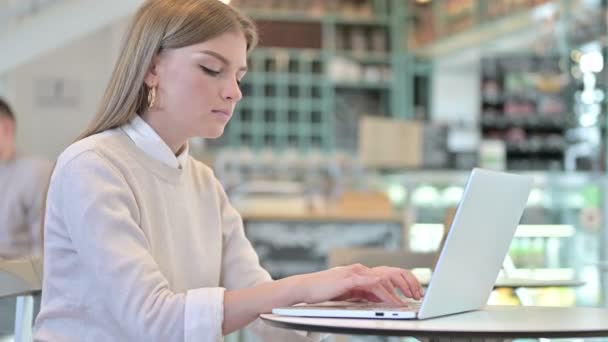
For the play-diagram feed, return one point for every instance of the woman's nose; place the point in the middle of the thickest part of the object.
(232, 91)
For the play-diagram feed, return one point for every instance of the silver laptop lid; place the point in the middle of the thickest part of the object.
(477, 243)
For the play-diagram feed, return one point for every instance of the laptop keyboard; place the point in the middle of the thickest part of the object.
(411, 306)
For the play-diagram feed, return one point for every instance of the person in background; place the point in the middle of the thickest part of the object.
(23, 183)
(141, 242)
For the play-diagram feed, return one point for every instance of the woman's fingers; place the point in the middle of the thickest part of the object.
(359, 277)
(403, 280)
(364, 278)
(379, 284)
(358, 280)
(387, 296)
(365, 295)
(404, 286)
(390, 288)
(413, 284)
(407, 284)
(370, 297)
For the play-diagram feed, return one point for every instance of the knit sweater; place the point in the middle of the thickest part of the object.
(136, 250)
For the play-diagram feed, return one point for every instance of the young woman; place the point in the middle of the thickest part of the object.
(141, 243)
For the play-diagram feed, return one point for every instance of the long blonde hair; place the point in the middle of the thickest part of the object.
(159, 25)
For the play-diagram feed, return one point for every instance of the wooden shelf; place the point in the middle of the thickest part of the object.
(327, 216)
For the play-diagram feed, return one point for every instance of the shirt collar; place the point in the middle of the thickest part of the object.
(152, 144)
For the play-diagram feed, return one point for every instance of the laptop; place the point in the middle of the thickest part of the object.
(469, 262)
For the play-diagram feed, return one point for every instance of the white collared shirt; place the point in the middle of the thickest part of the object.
(146, 138)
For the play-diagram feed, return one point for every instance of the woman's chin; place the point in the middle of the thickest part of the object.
(213, 133)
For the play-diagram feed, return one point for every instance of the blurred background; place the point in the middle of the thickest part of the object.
(362, 120)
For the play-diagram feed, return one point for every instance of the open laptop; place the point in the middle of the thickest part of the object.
(470, 259)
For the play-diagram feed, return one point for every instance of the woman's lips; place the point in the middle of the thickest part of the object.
(222, 113)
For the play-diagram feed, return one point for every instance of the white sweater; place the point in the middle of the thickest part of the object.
(23, 183)
(136, 250)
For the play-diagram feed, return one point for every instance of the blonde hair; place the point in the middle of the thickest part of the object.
(159, 25)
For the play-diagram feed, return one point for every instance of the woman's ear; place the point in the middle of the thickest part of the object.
(151, 78)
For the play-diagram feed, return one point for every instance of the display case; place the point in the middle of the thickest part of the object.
(560, 236)
(289, 244)
(294, 245)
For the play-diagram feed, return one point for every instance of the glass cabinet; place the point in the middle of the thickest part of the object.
(560, 235)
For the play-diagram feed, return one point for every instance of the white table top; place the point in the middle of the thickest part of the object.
(491, 322)
(516, 282)
(524, 282)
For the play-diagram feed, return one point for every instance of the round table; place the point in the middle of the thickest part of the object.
(495, 322)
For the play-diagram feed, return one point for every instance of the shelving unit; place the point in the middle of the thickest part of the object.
(573, 139)
(452, 25)
(285, 104)
(524, 104)
(307, 93)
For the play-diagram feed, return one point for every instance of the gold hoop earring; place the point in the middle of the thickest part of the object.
(151, 96)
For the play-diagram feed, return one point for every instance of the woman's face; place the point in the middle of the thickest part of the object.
(198, 86)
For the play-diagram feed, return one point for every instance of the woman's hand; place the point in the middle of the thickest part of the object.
(376, 284)
(358, 282)
(402, 279)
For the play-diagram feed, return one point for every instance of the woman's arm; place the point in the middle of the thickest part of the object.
(354, 281)
(251, 292)
(241, 307)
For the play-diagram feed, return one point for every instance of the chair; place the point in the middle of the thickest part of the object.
(22, 279)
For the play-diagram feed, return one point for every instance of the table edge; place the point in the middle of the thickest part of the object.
(456, 334)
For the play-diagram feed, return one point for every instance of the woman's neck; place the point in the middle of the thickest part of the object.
(157, 121)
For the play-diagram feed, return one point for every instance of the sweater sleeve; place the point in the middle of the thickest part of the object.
(101, 215)
(241, 269)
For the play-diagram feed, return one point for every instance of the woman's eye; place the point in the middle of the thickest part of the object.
(210, 72)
